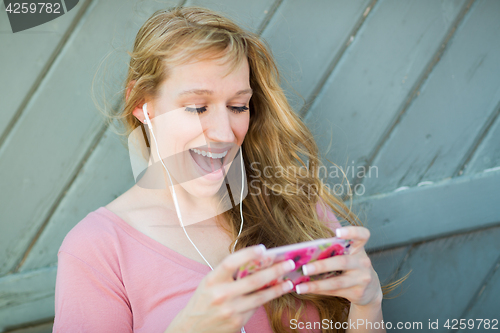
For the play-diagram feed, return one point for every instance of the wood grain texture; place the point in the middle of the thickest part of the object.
(443, 122)
(45, 148)
(105, 176)
(371, 82)
(27, 297)
(304, 46)
(487, 154)
(386, 263)
(445, 275)
(420, 213)
(41, 328)
(34, 52)
(487, 304)
(248, 14)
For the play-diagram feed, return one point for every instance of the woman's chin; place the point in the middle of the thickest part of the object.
(199, 188)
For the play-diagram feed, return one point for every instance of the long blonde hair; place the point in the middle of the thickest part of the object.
(277, 139)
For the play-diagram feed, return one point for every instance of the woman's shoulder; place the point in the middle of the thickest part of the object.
(95, 233)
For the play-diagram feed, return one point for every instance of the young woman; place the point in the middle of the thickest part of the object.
(209, 95)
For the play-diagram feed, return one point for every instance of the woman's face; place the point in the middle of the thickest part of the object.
(201, 110)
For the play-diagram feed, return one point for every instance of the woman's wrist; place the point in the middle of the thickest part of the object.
(374, 305)
(370, 315)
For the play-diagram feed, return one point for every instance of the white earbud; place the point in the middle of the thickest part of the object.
(145, 110)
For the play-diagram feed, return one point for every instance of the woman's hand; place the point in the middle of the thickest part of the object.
(358, 282)
(221, 304)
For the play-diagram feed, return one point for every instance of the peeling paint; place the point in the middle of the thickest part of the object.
(402, 188)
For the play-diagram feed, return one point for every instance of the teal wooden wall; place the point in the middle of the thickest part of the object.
(409, 87)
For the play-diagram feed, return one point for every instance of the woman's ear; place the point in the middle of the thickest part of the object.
(137, 112)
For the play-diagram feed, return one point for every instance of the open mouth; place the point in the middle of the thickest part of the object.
(208, 162)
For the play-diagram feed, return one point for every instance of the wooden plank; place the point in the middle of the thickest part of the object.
(487, 305)
(445, 275)
(248, 14)
(26, 57)
(443, 122)
(27, 297)
(42, 328)
(303, 54)
(106, 175)
(386, 263)
(455, 205)
(372, 81)
(487, 155)
(38, 161)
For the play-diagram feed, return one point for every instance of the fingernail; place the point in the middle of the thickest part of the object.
(288, 285)
(308, 269)
(339, 232)
(261, 248)
(301, 288)
(290, 265)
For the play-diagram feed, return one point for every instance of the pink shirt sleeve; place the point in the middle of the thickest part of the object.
(331, 219)
(85, 299)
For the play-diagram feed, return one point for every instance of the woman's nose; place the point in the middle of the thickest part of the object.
(217, 126)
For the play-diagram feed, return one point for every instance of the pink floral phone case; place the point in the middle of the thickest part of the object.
(301, 253)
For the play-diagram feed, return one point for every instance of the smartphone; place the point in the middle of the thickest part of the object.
(301, 253)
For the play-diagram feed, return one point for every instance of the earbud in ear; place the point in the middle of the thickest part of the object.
(145, 110)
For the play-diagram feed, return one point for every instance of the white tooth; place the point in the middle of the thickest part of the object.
(208, 154)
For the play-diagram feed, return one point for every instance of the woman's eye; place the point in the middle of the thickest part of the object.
(238, 109)
(235, 109)
(196, 110)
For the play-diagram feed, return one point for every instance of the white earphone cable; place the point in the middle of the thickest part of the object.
(177, 209)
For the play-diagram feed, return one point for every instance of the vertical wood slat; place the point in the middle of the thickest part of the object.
(373, 79)
(451, 111)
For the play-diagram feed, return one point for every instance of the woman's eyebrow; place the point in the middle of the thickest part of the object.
(211, 92)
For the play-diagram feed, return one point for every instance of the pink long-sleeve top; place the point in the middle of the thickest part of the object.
(113, 278)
